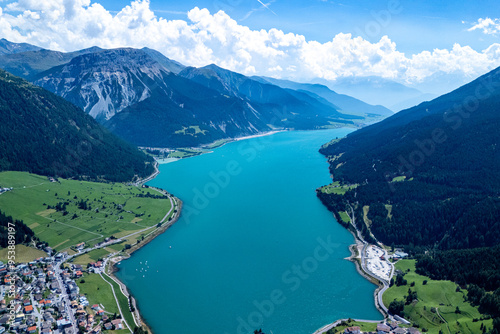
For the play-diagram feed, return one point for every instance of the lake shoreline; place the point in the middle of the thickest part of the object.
(177, 207)
(355, 257)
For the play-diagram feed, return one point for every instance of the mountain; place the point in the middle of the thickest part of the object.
(343, 102)
(151, 100)
(265, 95)
(202, 105)
(105, 82)
(7, 47)
(169, 64)
(377, 91)
(428, 176)
(44, 134)
(27, 64)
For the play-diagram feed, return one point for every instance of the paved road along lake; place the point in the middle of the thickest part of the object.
(254, 247)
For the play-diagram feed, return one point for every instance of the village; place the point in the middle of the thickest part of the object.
(43, 297)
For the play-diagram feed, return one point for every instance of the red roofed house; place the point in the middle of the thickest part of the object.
(28, 309)
(353, 330)
(32, 329)
(117, 323)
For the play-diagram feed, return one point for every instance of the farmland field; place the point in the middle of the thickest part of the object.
(66, 212)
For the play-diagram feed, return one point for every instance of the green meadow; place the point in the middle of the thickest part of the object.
(67, 212)
(97, 291)
(436, 308)
(337, 188)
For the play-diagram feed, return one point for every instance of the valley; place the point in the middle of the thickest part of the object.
(320, 167)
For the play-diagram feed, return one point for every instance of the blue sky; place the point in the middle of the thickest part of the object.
(417, 26)
(411, 42)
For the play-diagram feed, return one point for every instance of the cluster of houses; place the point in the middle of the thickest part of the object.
(390, 327)
(39, 305)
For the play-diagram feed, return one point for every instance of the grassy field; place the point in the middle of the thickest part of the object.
(185, 153)
(345, 217)
(23, 254)
(90, 211)
(123, 301)
(336, 188)
(365, 327)
(98, 292)
(191, 130)
(437, 302)
(92, 256)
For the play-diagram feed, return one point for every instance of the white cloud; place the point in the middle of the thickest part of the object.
(203, 38)
(487, 25)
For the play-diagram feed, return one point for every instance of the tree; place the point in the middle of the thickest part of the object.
(397, 307)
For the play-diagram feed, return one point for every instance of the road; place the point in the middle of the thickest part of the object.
(64, 294)
(117, 302)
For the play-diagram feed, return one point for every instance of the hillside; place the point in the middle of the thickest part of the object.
(202, 105)
(427, 176)
(44, 134)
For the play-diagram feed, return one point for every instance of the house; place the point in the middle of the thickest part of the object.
(95, 307)
(108, 326)
(413, 330)
(80, 246)
(399, 330)
(30, 320)
(46, 302)
(26, 302)
(117, 323)
(383, 329)
(400, 255)
(63, 323)
(78, 273)
(4, 319)
(32, 329)
(2, 330)
(28, 309)
(352, 330)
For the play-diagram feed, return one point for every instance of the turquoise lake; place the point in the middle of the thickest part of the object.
(254, 247)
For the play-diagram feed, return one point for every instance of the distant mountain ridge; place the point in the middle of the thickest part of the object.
(345, 103)
(378, 91)
(7, 47)
(44, 134)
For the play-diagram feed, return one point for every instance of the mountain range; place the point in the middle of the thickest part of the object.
(427, 176)
(151, 100)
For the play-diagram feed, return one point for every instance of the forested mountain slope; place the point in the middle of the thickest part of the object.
(44, 134)
(427, 176)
